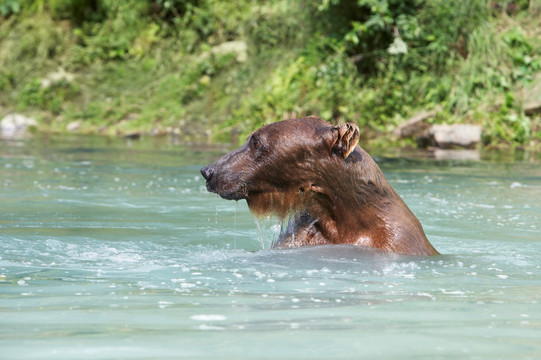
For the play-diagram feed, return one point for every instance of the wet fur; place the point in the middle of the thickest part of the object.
(330, 189)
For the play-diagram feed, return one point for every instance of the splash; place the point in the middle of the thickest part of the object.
(269, 229)
(277, 215)
(270, 210)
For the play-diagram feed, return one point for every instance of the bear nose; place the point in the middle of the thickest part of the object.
(207, 173)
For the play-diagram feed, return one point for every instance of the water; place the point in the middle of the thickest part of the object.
(115, 250)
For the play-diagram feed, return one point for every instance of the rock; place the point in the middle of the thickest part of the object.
(440, 136)
(54, 78)
(16, 125)
(456, 135)
(133, 135)
(532, 108)
(73, 126)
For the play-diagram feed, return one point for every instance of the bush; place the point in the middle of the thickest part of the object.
(112, 39)
(79, 11)
(143, 63)
(508, 125)
(51, 97)
(9, 7)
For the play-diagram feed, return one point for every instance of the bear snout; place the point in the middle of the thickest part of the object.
(229, 189)
(207, 173)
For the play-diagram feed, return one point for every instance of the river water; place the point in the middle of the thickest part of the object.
(113, 250)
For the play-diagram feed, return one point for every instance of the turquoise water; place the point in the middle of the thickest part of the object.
(115, 250)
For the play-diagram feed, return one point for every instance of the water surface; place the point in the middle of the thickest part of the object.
(113, 249)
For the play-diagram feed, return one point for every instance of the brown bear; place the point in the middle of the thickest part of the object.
(315, 174)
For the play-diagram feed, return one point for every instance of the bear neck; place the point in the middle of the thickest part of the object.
(359, 206)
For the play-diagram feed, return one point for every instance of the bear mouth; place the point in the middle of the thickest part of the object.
(232, 196)
(236, 195)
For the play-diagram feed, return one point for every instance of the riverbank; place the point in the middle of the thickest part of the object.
(214, 72)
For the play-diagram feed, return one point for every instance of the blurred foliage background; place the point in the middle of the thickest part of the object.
(211, 70)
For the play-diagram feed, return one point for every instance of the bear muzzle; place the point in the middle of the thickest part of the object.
(213, 185)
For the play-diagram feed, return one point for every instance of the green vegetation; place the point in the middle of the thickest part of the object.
(212, 69)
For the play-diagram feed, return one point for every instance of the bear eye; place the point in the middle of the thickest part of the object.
(255, 142)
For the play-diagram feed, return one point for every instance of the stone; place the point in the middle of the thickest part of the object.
(135, 135)
(532, 108)
(456, 135)
(16, 125)
(73, 126)
(57, 77)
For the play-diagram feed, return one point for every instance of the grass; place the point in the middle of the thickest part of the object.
(153, 73)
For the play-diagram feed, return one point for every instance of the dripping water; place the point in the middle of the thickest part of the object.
(216, 209)
(269, 229)
(260, 234)
(235, 226)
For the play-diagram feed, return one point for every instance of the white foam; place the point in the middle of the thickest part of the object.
(209, 327)
(208, 317)
(515, 185)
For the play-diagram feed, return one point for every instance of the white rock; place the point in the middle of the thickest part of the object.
(14, 125)
(73, 126)
(462, 135)
(56, 77)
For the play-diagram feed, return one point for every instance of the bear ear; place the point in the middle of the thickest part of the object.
(344, 139)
